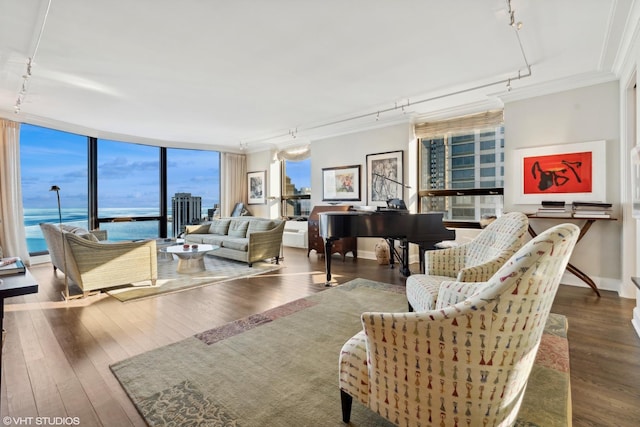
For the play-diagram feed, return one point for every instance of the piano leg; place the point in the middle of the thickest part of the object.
(405, 258)
(393, 254)
(328, 243)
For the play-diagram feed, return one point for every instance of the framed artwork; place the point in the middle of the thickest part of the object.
(257, 187)
(384, 177)
(564, 172)
(341, 183)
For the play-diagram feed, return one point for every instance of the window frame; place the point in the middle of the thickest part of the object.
(476, 190)
(284, 197)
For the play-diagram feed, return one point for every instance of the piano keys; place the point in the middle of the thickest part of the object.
(423, 229)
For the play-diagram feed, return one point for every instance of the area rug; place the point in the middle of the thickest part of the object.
(218, 270)
(280, 367)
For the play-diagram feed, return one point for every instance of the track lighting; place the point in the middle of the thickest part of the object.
(404, 104)
(30, 61)
(512, 17)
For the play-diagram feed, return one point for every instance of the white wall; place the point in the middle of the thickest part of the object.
(580, 115)
(630, 117)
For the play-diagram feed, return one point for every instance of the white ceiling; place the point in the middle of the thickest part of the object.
(259, 72)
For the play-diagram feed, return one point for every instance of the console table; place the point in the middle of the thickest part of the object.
(586, 225)
(13, 286)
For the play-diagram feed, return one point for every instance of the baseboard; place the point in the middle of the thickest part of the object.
(603, 283)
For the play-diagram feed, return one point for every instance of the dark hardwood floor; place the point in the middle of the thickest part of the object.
(57, 354)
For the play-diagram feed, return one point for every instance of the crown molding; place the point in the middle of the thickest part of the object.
(559, 85)
(624, 57)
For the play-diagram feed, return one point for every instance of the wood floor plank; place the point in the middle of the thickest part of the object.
(65, 348)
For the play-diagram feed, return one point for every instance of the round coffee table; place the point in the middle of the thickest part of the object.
(190, 260)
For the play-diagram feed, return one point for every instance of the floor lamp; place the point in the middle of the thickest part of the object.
(65, 294)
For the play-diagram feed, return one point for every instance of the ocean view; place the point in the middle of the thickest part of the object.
(118, 231)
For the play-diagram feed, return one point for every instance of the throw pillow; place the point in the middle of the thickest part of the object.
(258, 225)
(90, 237)
(238, 228)
(219, 226)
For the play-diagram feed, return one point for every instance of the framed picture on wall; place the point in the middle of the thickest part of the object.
(257, 188)
(384, 177)
(563, 172)
(341, 183)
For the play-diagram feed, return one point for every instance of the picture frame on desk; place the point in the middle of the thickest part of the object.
(563, 172)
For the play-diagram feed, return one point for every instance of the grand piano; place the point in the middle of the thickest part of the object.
(423, 229)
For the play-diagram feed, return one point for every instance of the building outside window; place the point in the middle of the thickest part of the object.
(462, 166)
(195, 172)
(296, 188)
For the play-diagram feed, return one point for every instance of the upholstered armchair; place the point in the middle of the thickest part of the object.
(467, 362)
(475, 261)
(94, 265)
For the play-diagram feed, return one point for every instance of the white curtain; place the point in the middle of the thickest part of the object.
(233, 174)
(12, 234)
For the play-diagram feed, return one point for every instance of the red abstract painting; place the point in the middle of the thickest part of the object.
(558, 173)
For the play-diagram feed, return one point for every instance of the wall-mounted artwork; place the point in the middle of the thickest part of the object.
(384, 177)
(564, 172)
(341, 183)
(257, 188)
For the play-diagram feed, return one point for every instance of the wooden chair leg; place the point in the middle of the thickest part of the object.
(346, 399)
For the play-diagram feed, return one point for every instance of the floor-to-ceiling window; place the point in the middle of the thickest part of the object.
(296, 188)
(124, 188)
(193, 179)
(50, 157)
(128, 189)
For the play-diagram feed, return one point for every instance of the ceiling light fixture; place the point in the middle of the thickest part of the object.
(512, 17)
(30, 61)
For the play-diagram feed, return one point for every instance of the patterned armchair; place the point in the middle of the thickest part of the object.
(475, 261)
(467, 362)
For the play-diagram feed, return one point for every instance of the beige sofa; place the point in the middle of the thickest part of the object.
(94, 264)
(245, 238)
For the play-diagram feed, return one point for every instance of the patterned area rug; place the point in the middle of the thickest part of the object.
(218, 270)
(280, 367)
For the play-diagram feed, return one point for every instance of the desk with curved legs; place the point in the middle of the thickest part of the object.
(588, 222)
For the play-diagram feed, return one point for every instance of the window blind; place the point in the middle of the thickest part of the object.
(429, 130)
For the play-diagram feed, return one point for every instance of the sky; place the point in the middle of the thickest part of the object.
(128, 174)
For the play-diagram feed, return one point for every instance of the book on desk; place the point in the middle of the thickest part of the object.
(11, 265)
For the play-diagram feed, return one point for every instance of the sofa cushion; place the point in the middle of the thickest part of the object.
(238, 244)
(238, 228)
(219, 226)
(259, 225)
(213, 239)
